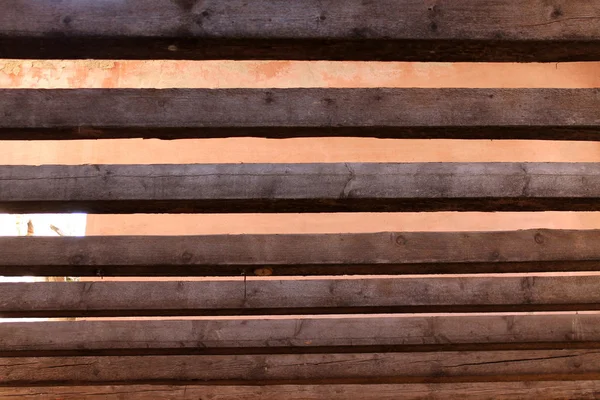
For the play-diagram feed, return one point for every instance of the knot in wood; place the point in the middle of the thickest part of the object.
(539, 238)
(400, 240)
(186, 257)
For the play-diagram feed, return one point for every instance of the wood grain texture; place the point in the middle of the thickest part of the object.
(299, 254)
(257, 370)
(406, 30)
(555, 114)
(349, 187)
(547, 390)
(296, 334)
(510, 292)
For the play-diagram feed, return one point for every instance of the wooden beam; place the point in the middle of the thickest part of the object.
(555, 114)
(349, 187)
(295, 334)
(410, 294)
(547, 390)
(302, 254)
(255, 370)
(404, 30)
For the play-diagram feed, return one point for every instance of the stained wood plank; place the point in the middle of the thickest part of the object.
(406, 30)
(300, 254)
(547, 365)
(556, 114)
(548, 390)
(349, 187)
(297, 334)
(500, 292)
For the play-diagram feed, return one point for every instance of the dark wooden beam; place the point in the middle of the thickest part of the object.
(554, 114)
(402, 30)
(266, 188)
(259, 296)
(534, 390)
(270, 369)
(304, 254)
(293, 334)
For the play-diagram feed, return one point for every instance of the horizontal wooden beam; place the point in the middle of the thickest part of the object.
(264, 188)
(302, 254)
(510, 292)
(555, 114)
(294, 334)
(547, 390)
(373, 368)
(406, 30)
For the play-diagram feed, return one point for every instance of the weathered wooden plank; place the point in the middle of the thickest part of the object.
(261, 369)
(301, 334)
(301, 254)
(417, 293)
(406, 30)
(557, 114)
(343, 187)
(547, 390)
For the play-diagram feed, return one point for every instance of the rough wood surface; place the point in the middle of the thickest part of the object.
(556, 114)
(342, 187)
(407, 30)
(299, 254)
(272, 369)
(293, 334)
(500, 292)
(547, 390)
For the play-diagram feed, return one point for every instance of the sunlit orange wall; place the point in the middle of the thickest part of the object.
(165, 74)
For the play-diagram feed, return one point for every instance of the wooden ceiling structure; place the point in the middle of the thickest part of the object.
(367, 316)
